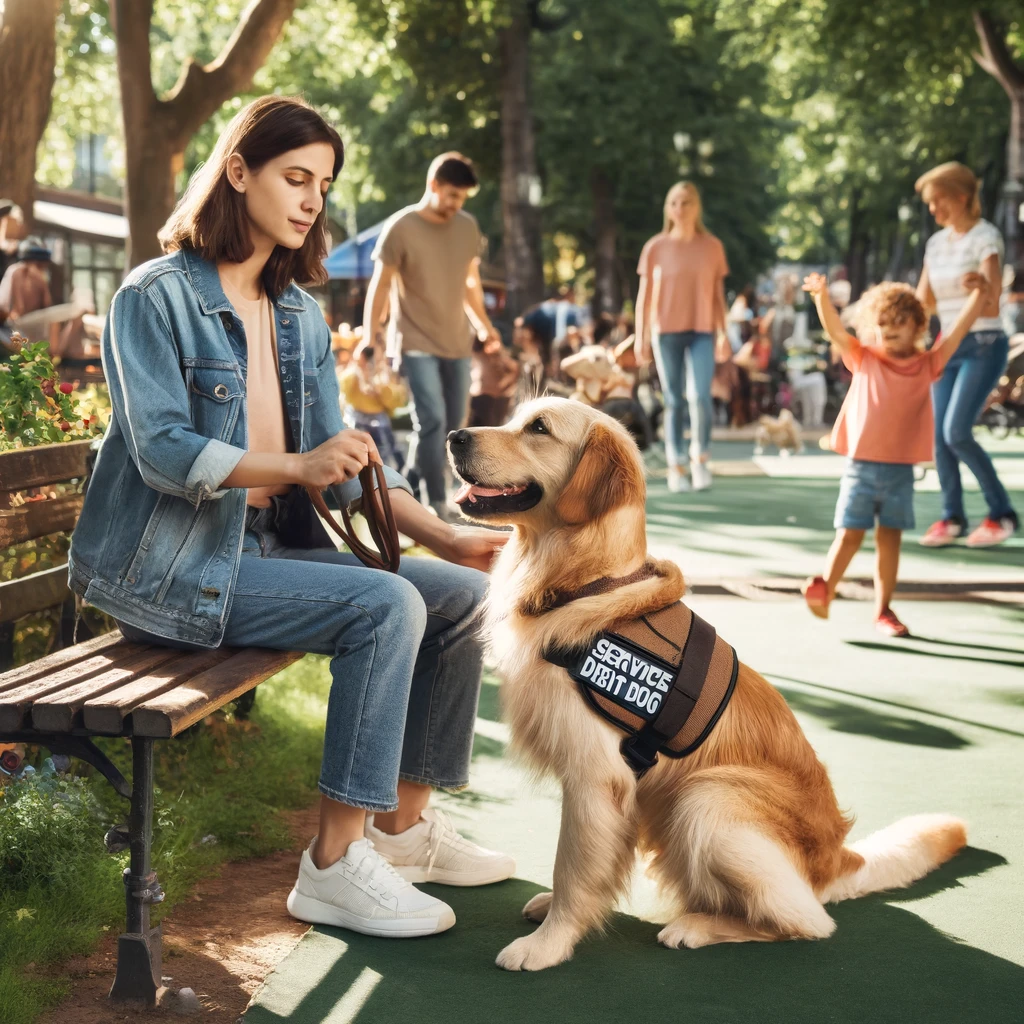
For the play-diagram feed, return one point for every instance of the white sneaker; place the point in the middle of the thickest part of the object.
(678, 481)
(364, 893)
(701, 475)
(432, 851)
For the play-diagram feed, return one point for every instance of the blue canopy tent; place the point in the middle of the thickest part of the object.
(351, 261)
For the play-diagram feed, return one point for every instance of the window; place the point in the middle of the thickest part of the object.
(98, 266)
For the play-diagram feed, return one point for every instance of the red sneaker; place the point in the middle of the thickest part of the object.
(941, 534)
(888, 624)
(815, 592)
(991, 532)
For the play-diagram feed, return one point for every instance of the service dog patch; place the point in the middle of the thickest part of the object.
(625, 674)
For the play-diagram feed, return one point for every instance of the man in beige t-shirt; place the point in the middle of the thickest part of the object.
(427, 267)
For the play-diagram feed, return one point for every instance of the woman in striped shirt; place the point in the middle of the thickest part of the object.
(966, 254)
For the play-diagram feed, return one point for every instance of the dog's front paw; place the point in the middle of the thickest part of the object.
(537, 908)
(533, 953)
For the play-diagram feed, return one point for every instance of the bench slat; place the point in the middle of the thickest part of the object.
(15, 702)
(59, 659)
(43, 464)
(39, 519)
(106, 713)
(33, 593)
(174, 711)
(57, 711)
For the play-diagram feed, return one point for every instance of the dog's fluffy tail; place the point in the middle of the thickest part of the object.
(897, 855)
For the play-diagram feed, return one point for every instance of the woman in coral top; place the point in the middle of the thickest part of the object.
(680, 308)
(884, 427)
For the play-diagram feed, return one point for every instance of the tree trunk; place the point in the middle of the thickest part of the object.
(28, 55)
(996, 59)
(158, 130)
(856, 252)
(607, 284)
(520, 185)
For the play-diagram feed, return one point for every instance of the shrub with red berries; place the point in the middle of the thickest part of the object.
(36, 407)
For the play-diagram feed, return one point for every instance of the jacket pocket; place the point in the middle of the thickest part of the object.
(216, 394)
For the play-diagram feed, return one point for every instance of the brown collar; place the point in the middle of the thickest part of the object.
(558, 598)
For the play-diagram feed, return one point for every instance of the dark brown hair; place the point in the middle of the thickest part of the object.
(453, 169)
(210, 217)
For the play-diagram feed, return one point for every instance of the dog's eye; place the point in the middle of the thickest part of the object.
(538, 426)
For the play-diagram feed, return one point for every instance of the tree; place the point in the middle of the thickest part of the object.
(157, 130)
(28, 53)
(998, 61)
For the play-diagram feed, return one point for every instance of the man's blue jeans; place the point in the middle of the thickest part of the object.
(958, 398)
(686, 364)
(440, 402)
(405, 654)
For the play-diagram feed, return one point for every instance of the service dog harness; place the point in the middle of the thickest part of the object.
(664, 678)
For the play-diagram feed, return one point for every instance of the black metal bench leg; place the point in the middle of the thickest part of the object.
(139, 948)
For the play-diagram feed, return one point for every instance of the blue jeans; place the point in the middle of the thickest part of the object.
(686, 364)
(405, 657)
(958, 398)
(440, 402)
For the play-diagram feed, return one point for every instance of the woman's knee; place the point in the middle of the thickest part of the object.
(958, 434)
(396, 608)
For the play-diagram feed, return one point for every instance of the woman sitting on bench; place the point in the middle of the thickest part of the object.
(197, 530)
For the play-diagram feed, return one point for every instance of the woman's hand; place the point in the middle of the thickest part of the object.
(973, 280)
(642, 351)
(474, 546)
(816, 285)
(338, 459)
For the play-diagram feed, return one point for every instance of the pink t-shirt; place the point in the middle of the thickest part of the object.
(684, 278)
(887, 415)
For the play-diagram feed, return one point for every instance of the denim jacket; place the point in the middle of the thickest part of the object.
(159, 540)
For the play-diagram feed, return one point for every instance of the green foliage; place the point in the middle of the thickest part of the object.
(35, 407)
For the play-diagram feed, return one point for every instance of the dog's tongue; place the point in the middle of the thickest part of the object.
(470, 492)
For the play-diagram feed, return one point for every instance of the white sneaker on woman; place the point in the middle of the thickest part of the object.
(701, 475)
(678, 481)
(433, 851)
(364, 893)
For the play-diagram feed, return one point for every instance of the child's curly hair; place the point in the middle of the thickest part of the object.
(890, 303)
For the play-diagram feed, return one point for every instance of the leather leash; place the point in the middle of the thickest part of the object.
(379, 518)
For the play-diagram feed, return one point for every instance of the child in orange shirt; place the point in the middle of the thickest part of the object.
(884, 427)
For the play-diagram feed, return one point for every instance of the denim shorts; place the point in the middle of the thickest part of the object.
(870, 490)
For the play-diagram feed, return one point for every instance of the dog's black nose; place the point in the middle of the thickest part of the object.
(459, 437)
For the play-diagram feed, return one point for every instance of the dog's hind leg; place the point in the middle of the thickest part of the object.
(596, 850)
(735, 883)
(696, 930)
(537, 908)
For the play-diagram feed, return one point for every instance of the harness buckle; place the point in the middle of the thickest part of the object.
(640, 752)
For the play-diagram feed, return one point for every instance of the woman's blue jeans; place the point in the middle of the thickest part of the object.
(958, 398)
(686, 364)
(405, 657)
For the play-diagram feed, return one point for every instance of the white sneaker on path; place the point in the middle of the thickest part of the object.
(364, 893)
(433, 851)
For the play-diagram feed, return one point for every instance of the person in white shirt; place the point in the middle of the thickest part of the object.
(967, 253)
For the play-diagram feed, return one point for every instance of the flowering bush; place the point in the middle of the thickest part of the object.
(36, 408)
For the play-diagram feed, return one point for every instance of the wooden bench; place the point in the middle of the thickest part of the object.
(105, 686)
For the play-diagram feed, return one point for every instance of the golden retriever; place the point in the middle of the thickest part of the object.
(745, 833)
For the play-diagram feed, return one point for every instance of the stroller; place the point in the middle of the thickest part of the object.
(1004, 410)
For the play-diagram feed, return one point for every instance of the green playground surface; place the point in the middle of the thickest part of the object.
(932, 723)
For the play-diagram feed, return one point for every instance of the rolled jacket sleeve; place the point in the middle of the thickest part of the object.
(150, 399)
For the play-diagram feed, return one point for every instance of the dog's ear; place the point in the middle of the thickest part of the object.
(607, 477)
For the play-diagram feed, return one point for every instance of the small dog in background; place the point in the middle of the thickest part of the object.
(783, 432)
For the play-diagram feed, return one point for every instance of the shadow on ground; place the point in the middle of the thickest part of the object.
(861, 721)
(883, 964)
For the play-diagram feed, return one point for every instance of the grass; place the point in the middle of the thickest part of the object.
(227, 779)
